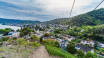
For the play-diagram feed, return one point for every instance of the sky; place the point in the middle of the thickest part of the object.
(44, 10)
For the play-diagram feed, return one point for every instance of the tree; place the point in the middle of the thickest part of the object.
(25, 31)
(57, 44)
(41, 39)
(51, 42)
(58, 31)
(14, 38)
(56, 36)
(21, 34)
(80, 54)
(5, 31)
(96, 45)
(46, 35)
(71, 48)
(34, 38)
(91, 55)
(5, 38)
(102, 51)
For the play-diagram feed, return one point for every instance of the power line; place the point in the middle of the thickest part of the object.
(72, 8)
(74, 4)
(99, 5)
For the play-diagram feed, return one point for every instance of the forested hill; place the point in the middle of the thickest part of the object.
(15, 21)
(91, 18)
(57, 21)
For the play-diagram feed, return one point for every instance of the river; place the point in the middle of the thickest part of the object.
(7, 26)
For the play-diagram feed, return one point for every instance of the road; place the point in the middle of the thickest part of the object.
(41, 52)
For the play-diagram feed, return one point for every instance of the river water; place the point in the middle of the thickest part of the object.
(7, 26)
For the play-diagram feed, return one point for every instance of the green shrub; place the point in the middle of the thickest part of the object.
(34, 44)
(41, 39)
(51, 42)
(46, 35)
(20, 41)
(5, 38)
(91, 55)
(14, 38)
(2, 50)
(34, 38)
(80, 54)
(58, 52)
(71, 48)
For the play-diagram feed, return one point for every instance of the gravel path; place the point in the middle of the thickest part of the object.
(41, 52)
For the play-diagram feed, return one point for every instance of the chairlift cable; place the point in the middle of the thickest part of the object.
(99, 5)
(72, 8)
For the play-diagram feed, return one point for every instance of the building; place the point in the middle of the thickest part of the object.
(1, 36)
(13, 34)
(101, 45)
(84, 48)
(89, 42)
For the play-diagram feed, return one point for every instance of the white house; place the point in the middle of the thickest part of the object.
(13, 34)
(69, 38)
(101, 45)
(90, 42)
(1, 36)
(84, 48)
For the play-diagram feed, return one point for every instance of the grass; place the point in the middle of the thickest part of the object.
(11, 52)
(58, 52)
(2, 49)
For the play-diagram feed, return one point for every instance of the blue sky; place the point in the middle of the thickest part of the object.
(44, 10)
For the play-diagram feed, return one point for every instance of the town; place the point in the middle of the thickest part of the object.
(51, 28)
(54, 32)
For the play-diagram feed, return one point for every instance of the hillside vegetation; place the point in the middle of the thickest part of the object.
(88, 32)
(59, 52)
(91, 18)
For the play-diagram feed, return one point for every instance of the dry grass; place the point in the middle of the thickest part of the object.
(15, 52)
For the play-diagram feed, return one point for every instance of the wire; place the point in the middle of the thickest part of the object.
(74, 4)
(99, 5)
(72, 8)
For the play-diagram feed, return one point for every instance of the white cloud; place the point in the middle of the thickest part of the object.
(61, 8)
(52, 8)
(21, 17)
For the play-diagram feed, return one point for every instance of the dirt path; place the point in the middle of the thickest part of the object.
(41, 52)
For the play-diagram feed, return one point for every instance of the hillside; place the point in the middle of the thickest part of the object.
(91, 18)
(15, 21)
(57, 21)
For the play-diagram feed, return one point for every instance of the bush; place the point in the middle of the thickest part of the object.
(25, 43)
(34, 38)
(5, 38)
(41, 39)
(80, 54)
(58, 52)
(46, 35)
(14, 38)
(34, 44)
(1, 40)
(91, 55)
(5, 31)
(2, 49)
(71, 48)
(20, 41)
(51, 42)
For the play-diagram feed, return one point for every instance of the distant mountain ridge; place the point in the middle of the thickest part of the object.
(16, 21)
(94, 17)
